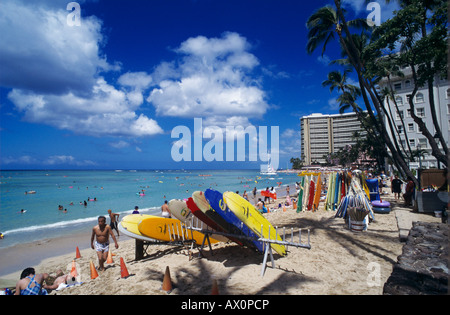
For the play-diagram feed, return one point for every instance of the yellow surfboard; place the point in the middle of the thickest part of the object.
(129, 226)
(251, 217)
(166, 229)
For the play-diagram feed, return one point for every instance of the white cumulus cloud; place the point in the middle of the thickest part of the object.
(56, 72)
(211, 79)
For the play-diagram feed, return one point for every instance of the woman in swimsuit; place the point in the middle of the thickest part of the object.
(30, 283)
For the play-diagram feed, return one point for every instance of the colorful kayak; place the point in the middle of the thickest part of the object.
(236, 226)
(168, 230)
(251, 217)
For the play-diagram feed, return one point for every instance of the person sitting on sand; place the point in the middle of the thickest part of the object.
(102, 232)
(261, 206)
(30, 283)
(165, 211)
(114, 218)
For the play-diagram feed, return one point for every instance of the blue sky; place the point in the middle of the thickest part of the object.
(108, 93)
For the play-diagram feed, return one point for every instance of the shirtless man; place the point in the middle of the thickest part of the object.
(114, 219)
(102, 232)
(165, 212)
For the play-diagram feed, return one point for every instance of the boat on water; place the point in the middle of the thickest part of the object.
(267, 169)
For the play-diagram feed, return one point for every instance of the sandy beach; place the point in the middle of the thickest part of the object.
(339, 262)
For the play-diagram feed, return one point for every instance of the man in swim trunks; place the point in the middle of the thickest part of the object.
(30, 283)
(114, 219)
(101, 233)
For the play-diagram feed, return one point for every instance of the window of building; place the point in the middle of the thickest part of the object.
(400, 129)
(399, 100)
(448, 93)
(407, 83)
(411, 127)
(399, 115)
(420, 112)
(412, 142)
(419, 98)
(423, 143)
(408, 97)
(408, 112)
(398, 86)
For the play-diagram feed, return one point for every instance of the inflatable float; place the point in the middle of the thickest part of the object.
(379, 206)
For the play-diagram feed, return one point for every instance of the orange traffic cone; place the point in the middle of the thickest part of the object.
(94, 273)
(109, 260)
(78, 255)
(215, 289)
(167, 283)
(123, 269)
(73, 271)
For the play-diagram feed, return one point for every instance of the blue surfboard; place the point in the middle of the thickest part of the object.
(336, 191)
(216, 201)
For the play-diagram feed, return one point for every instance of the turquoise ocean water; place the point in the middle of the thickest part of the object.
(117, 190)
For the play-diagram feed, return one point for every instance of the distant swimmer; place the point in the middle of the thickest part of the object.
(23, 211)
(1, 236)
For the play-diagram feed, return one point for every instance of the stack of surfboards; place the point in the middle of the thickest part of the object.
(220, 214)
(309, 195)
(150, 228)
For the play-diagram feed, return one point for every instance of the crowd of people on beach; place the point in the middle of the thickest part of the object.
(31, 283)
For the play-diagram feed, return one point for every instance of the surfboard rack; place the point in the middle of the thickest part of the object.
(266, 241)
(268, 248)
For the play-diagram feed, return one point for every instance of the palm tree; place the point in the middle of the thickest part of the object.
(323, 24)
(347, 100)
(338, 80)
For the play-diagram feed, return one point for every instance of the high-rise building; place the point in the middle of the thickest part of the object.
(324, 134)
(408, 130)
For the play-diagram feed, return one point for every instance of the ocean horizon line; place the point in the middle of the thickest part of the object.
(130, 169)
